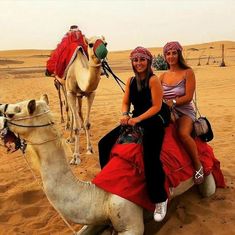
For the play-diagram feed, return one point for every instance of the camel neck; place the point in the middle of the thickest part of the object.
(61, 186)
(87, 73)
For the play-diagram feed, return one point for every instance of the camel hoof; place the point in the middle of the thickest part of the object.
(90, 151)
(75, 161)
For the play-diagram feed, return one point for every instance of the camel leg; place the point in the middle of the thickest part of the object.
(58, 86)
(87, 125)
(71, 139)
(208, 187)
(79, 108)
(126, 220)
(72, 104)
(67, 126)
(93, 230)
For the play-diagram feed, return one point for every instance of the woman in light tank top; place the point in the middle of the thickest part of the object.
(178, 89)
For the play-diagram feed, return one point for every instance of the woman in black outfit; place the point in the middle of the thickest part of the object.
(145, 93)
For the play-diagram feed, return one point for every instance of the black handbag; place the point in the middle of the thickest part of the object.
(203, 130)
(202, 127)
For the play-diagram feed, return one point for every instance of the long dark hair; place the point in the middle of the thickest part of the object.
(149, 74)
(181, 61)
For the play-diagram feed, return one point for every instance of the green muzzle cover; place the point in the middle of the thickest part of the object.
(100, 50)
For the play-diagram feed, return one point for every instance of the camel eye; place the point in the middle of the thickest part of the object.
(17, 109)
(91, 45)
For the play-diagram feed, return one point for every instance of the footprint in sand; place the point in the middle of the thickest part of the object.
(4, 218)
(28, 197)
(183, 215)
(5, 187)
(30, 212)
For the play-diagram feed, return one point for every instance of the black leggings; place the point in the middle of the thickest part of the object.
(152, 143)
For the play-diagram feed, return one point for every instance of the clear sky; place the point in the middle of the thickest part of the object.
(40, 24)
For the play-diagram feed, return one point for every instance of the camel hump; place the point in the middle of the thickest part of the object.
(65, 52)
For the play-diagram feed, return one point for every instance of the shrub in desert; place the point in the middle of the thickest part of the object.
(159, 62)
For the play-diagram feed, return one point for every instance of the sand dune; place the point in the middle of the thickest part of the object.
(24, 209)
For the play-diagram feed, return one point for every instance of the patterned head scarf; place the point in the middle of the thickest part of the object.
(141, 52)
(172, 46)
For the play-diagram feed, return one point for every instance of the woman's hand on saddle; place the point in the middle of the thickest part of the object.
(169, 103)
(133, 121)
(124, 120)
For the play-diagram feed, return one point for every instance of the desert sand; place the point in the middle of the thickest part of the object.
(24, 209)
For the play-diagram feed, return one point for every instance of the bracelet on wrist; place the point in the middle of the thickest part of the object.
(126, 113)
(174, 103)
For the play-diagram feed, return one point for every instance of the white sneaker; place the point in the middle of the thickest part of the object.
(160, 211)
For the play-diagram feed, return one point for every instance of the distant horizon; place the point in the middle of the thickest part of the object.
(43, 49)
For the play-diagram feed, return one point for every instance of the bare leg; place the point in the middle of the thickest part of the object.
(184, 129)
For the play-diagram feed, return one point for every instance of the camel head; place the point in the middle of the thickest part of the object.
(97, 48)
(19, 121)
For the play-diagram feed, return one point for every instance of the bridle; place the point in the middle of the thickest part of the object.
(9, 121)
(22, 143)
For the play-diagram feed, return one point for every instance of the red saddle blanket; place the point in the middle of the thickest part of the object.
(124, 174)
(61, 57)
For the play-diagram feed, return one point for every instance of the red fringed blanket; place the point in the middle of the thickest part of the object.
(124, 174)
(62, 55)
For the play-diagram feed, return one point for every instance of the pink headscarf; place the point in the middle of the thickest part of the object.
(141, 52)
(172, 46)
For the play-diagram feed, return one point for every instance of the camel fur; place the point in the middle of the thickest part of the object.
(83, 77)
(78, 201)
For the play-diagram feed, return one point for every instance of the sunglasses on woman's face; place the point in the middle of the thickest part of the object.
(172, 52)
(139, 59)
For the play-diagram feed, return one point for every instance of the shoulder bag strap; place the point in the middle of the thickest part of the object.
(198, 114)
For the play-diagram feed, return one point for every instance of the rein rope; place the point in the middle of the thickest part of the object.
(23, 146)
(41, 186)
(106, 69)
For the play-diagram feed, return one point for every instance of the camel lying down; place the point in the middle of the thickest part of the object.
(78, 201)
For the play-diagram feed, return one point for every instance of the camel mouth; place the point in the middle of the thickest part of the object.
(10, 141)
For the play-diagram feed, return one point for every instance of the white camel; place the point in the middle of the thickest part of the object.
(78, 201)
(83, 77)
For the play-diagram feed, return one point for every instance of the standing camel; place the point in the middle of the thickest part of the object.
(78, 201)
(82, 79)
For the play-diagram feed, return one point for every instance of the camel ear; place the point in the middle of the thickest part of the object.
(103, 38)
(45, 98)
(31, 106)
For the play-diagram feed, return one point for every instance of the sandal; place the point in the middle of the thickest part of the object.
(199, 176)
